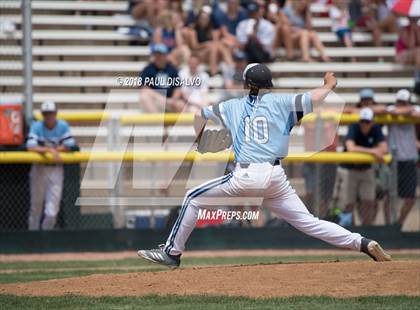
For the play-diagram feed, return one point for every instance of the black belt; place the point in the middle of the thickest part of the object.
(246, 165)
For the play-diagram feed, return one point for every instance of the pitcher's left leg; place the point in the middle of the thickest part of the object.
(293, 211)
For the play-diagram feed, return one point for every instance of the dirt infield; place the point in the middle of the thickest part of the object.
(341, 279)
(87, 256)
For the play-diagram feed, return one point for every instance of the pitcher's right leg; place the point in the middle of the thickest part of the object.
(169, 254)
(188, 214)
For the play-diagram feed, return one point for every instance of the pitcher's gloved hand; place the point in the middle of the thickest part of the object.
(214, 141)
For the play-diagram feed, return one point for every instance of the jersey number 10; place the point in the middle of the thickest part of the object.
(256, 130)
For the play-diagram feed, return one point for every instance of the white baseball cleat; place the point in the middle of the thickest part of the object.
(374, 250)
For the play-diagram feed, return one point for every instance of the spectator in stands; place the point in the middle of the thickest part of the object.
(365, 137)
(160, 89)
(340, 19)
(146, 14)
(408, 44)
(299, 16)
(256, 35)
(49, 136)
(170, 32)
(374, 16)
(232, 77)
(378, 18)
(176, 6)
(147, 11)
(402, 138)
(195, 94)
(204, 39)
(355, 9)
(417, 82)
(275, 14)
(227, 21)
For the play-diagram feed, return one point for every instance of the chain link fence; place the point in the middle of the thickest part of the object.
(325, 189)
(377, 195)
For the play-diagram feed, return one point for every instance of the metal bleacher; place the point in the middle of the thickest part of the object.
(78, 54)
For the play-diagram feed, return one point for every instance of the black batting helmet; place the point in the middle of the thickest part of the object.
(258, 75)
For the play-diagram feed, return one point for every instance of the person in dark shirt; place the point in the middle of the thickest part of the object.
(205, 41)
(227, 21)
(160, 83)
(364, 137)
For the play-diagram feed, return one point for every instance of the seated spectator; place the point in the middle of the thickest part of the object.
(276, 15)
(417, 82)
(145, 13)
(402, 138)
(160, 91)
(408, 44)
(256, 35)
(204, 40)
(196, 95)
(46, 180)
(227, 21)
(340, 19)
(299, 16)
(233, 76)
(378, 19)
(171, 33)
(176, 6)
(365, 137)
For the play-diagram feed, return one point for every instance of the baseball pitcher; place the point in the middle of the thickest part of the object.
(258, 126)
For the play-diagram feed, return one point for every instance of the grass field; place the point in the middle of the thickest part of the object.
(24, 272)
(208, 302)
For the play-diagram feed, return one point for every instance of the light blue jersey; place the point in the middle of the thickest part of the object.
(260, 125)
(40, 135)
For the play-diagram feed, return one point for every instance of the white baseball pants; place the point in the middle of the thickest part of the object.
(258, 180)
(46, 188)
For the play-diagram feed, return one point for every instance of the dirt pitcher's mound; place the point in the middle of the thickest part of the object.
(341, 279)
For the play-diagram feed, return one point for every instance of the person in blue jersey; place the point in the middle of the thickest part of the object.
(53, 136)
(259, 124)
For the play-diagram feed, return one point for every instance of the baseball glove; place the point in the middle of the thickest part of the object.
(214, 141)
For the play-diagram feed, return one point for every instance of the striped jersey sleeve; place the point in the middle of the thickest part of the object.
(215, 113)
(66, 137)
(34, 138)
(300, 105)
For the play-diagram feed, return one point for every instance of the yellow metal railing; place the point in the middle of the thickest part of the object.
(187, 118)
(75, 157)
(350, 118)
